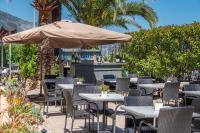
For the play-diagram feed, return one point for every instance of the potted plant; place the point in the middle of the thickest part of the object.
(80, 80)
(117, 58)
(104, 90)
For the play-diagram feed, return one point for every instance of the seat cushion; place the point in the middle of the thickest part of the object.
(79, 113)
(130, 123)
(146, 129)
(50, 99)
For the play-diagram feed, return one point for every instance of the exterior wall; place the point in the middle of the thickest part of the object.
(94, 72)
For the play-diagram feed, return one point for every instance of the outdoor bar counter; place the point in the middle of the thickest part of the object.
(92, 72)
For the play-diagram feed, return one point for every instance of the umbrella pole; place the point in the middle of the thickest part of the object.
(41, 72)
(2, 55)
(10, 62)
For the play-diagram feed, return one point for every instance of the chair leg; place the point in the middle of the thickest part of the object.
(114, 124)
(97, 123)
(44, 108)
(65, 130)
(93, 122)
(85, 121)
(125, 125)
(55, 103)
(72, 124)
(61, 105)
(47, 109)
(106, 121)
(89, 122)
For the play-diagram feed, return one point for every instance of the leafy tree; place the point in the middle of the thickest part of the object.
(28, 61)
(104, 13)
(164, 51)
(14, 54)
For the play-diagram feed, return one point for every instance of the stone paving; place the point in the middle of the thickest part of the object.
(55, 122)
(3, 106)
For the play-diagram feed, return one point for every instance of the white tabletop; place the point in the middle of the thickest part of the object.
(142, 111)
(146, 111)
(153, 85)
(182, 84)
(159, 85)
(98, 97)
(195, 93)
(66, 86)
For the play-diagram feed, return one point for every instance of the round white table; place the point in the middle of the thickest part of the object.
(153, 85)
(159, 85)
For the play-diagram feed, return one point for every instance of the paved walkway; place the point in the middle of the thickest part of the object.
(55, 122)
(3, 107)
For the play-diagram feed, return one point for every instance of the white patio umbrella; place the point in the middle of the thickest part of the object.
(65, 34)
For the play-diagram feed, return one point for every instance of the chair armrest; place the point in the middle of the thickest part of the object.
(147, 124)
(88, 103)
(95, 106)
(115, 111)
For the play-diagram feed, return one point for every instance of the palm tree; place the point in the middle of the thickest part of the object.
(104, 13)
(45, 8)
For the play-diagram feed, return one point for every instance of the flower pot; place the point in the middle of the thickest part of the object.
(104, 94)
(117, 60)
(79, 82)
(158, 106)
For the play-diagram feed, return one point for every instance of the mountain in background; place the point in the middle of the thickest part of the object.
(11, 22)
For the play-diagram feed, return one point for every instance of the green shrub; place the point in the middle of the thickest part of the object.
(164, 51)
(23, 116)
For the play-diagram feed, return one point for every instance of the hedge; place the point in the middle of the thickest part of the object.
(164, 51)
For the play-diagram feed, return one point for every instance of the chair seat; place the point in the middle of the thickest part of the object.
(146, 129)
(108, 112)
(196, 125)
(195, 130)
(130, 122)
(79, 113)
(50, 99)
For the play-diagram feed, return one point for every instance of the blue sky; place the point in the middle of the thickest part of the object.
(168, 11)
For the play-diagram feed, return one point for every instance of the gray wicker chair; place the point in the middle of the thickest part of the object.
(196, 121)
(65, 80)
(172, 120)
(145, 91)
(132, 75)
(135, 92)
(73, 111)
(50, 97)
(191, 87)
(171, 92)
(131, 120)
(93, 110)
(122, 85)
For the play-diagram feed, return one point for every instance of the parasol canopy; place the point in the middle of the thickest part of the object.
(65, 34)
